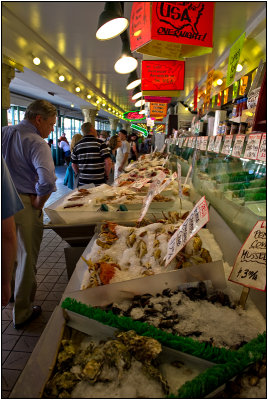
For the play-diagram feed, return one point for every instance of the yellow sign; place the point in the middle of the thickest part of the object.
(243, 85)
(234, 58)
(209, 86)
(225, 96)
(158, 110)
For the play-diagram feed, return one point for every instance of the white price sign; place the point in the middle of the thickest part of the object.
(262, 150)
(189, 144)
(198, 217)
(193, 142)
(168, 181)
(227, 145)
(217, 144)
(250, 265)
(211, 143)
(152, 192)
(140, 183)
(238, 145)
(253, 145)
(204, 143)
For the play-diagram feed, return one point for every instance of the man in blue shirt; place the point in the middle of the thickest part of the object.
(11, 204)
(31, 167)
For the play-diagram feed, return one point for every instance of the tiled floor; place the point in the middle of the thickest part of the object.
(17, 345)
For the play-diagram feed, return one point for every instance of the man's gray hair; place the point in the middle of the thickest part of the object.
(40, 107)
(86, 128)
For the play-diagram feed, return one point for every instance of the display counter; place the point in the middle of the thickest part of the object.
(235, 186)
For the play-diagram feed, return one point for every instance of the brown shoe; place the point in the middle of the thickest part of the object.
(36, 312)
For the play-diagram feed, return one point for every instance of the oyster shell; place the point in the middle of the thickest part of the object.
(141, 249)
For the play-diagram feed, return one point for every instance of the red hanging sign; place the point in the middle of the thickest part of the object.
(184, 22)
(140, 24)
(162, 75)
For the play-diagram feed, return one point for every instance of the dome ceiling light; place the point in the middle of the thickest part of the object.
(111, 21)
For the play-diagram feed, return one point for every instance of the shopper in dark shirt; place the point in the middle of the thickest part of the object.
(91, 158)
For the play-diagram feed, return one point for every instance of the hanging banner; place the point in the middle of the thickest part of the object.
(163, 75)
(219, 98)
(217, 144)
(238, 145)
(262, 150)
(227, 145)
(225, 96)
(243, 85)
(253, 145)
(213, 101)
(140, 24)
(235, 89)
(198, 217)
(209, 86)
(250, 265)
(172, 30)
(234, 56)
(158, 110)
(195, 97)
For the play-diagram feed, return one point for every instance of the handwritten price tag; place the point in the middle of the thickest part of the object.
(211, 143)
(238, 145)
(140, 183)
(253, 145)
(152, 192)
(194, 222)
(217, 144)
(250, 265)
(193, 142)
(168, 181)
(227, 145)
(190, 140)
(204, 143)
(262, 150)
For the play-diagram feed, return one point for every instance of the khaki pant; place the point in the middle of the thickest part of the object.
(29, 224)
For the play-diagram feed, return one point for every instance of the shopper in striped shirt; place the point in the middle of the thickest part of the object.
(91, 158)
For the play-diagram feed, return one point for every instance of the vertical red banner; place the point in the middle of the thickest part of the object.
(195, 97)
(140, 24)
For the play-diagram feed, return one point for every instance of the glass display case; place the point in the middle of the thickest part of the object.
(234, 186)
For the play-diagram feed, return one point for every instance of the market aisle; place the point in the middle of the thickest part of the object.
(17, 345)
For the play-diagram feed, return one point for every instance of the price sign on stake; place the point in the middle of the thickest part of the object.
(196, 219)
(250, 265)
(140, 183)
(152, 192)
(227, 145)
(238, 145)
(211, 143)
(252, 147)
(217, 144)
(168, 181)
(262, 149)
(179, 178)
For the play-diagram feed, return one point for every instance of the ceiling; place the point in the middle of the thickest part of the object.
(62, 35)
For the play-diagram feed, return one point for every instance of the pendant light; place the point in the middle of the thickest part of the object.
(111, 21)
(137, 93)
(133, 80)
(126, 63)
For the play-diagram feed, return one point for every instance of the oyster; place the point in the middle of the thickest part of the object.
(141, 249)
(156, 243)
(131, 239)
(206, 255)
(157, 254)
(193, 246)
